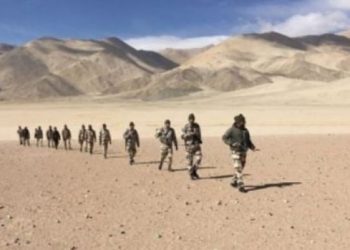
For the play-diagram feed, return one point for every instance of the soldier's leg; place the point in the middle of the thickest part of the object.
(86, 146)
(69, 144)
(105, 149)
(170, 159)
(163, 155)
(132, 152)
(238, 175)
(197, 162)
(91, 147)
(81, 146)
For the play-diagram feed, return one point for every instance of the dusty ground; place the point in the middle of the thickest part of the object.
(299, 198)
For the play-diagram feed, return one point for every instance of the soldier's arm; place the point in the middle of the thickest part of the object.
(137, 139)
(200, 134)
(251, 145)
(227, 137)
(175, 139)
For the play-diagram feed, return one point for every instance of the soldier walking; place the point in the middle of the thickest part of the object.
(82, 138)
(26, 136)
(90, 138)
(20, 135)
(66, 136)
(56, 137)
(238, 138)
(105, 139)
(132, 141)
(49, 134)
(167, 138)
(193, 140)
(39, 136)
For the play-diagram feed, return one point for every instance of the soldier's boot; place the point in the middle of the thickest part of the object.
(240, 185)
(192, 174)
(160, 165)
(195, 174)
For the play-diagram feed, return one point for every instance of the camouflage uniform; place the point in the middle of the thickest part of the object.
(105, 139)
(193, 140)
(20, 135)
(39, 135)
(90, 139)
(56, 137)
(238, 138)
(167, 137)
(66, 136)
(26, 136)
(132, 141)
(49, 134)
(82, 138)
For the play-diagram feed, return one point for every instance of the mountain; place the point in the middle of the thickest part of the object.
(246, 61)
(5, 48)
(50, 67)
(182, 55)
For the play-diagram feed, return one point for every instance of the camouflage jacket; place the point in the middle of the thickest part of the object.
(105, 136)
(38, 134)
(82, 135)
(167, 137)
(66, 134)
(191, 134)
(131, 138)
(90, 136)
(56, 136)
(238, 139)
(49, 134)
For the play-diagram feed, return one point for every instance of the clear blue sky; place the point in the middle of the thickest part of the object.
(24, 20)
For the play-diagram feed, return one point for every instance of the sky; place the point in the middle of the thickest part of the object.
(159, 24)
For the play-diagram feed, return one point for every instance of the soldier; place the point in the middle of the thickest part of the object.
(193, 140)
(238, 138)
(66, 136)
(26, 136)
(82, 138)
(39, 136)
(105, 139)
(132, 140)
(56, 137)
(167, 138)
(20, 135)
(90, 138)
(49, 134)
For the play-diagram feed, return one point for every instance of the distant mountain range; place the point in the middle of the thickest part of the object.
(50, 67)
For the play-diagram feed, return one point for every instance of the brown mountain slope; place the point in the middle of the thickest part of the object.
(51, 67)
(182, 55)
(246, 61)
(5, 48)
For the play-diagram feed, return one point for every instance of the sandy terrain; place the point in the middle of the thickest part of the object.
(298, 199)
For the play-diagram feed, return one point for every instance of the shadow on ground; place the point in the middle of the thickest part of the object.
(250, 188)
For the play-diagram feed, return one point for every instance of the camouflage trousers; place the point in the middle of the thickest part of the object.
(105, 149)
(132, 153)
(239, 160)
(81, 143)
(26, 142)
(49, 143)
(56, 142)
(90, 147)
(39, 142)
(67, 144)
(166, 151)
(194, 157)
